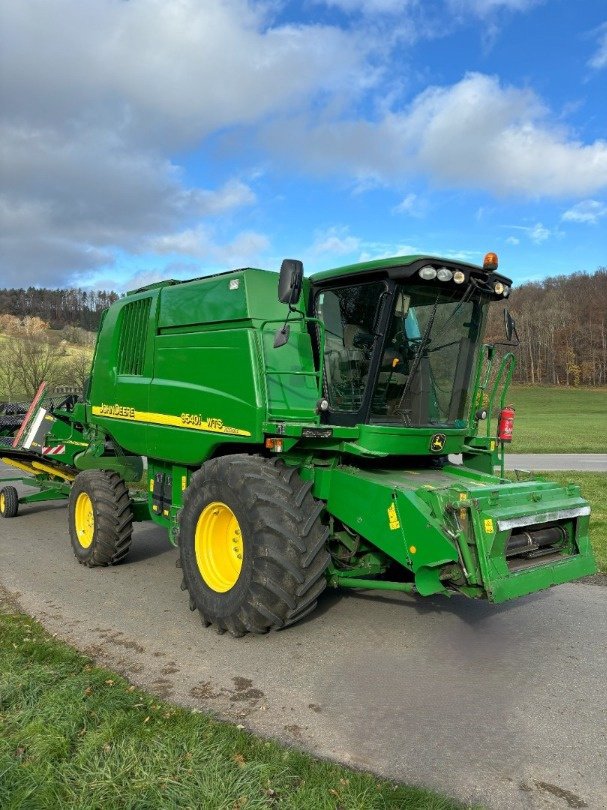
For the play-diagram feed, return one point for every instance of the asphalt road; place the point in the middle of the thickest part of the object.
(499, 705)
(589, 462)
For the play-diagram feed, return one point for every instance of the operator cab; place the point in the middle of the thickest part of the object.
(401, 339)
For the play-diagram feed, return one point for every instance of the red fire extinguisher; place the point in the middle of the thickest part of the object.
(506, 424)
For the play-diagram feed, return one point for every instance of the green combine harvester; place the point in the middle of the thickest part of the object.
(297, 441)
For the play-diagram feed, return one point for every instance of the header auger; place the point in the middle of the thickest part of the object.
(302, 440)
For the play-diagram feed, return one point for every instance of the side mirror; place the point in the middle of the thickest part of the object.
(290, 280)
(282, 336)
(402, 305)
(510, 326)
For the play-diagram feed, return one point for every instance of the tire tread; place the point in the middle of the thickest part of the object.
(113, 518)
(289, 549)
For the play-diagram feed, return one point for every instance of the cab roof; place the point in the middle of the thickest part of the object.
(393, 263)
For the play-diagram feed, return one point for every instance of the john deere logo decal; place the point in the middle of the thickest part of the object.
(437, 442)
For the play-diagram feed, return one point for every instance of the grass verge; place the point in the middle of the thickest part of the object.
(559, 420)
(75, 735)
(594, 489)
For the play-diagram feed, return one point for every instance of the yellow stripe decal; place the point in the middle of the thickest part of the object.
(193, 421)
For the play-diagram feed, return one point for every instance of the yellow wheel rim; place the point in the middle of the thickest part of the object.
(218, 546)
(84, 519)
(2, 503)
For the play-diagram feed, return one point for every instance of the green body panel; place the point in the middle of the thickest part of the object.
(248, 294)
(363, 500)
(378, 440)
(209, 374)
(186, 375)
(129, 467)
(422, 535)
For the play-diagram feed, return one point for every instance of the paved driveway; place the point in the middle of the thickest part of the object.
(589, 462)
(499, 705)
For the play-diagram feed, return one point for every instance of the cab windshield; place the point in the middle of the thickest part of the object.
(411, 366)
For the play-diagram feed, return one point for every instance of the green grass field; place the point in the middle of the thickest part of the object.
(73, 735)
(559, 420)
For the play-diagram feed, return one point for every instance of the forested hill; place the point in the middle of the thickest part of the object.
(562, 325)
(57, 308)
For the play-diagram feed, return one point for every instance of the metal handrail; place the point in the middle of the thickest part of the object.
(503, 377)
(319, 374)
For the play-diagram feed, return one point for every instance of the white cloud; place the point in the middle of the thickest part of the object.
(537, 233)
(232, 195)
(130, 279)
(95, 95)
(470, 256)
(200, 243)
(473, 134)
(485, 7)
(66, 206)
(599, 59)
(171, 71)
(513, 240)
(588, 211)
(191, 242)
(370, 7)
(335, 240)
(371, 251)
(480, 8)
(411, 205)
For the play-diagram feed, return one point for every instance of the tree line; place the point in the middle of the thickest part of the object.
(57, 308)
(47, 335)
(561, 322)
(562, 326)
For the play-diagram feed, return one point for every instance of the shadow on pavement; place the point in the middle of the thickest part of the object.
(470, 611)
(26, 509)
(148, 543)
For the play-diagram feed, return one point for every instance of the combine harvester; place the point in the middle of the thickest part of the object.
(300, 441)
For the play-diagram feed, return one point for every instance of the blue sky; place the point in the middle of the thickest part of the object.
(144, 139)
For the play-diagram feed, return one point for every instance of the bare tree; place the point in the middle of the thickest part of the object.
(562, 324)
(35, 361)
(75, 369)
(9, 381)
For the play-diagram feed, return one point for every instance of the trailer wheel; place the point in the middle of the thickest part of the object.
(100, 518)
(252, 544)
(9, 502)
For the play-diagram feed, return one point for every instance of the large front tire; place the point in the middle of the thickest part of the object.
(100, 518)
(252, 544)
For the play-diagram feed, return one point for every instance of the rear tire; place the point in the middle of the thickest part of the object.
(9, 502)
(100, 518)
(252, 545)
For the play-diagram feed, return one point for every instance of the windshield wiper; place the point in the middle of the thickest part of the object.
(424, 343)
(444, 345)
